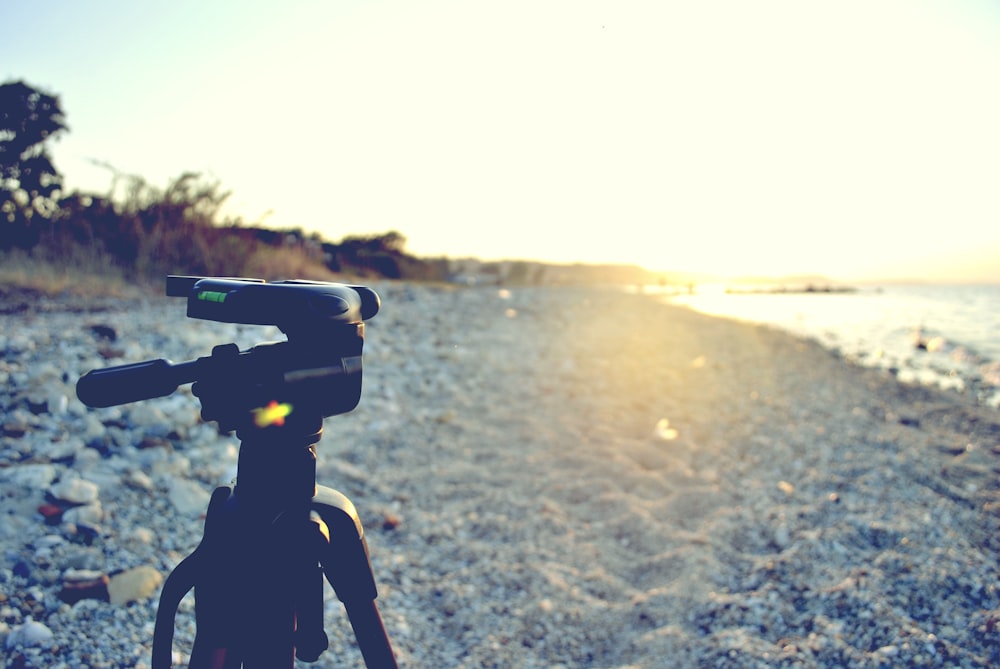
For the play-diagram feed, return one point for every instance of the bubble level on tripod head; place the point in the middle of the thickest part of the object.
(211, 296)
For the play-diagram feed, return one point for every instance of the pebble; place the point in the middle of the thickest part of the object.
(75, 491)
(133, 585)
(29, 634)
(146, 414)
(188, 497)
(138, 479)
(31, 476)
(84, 584)
(524, 506)
(86, 515)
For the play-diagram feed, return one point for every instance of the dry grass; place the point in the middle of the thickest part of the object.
(79, 276)
(279, 263)
(88, 274)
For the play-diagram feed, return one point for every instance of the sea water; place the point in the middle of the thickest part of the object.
(943, 335)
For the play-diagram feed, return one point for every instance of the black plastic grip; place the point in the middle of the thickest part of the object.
(127, 383)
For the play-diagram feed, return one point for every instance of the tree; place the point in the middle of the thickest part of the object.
(28, 179)
(380, 254)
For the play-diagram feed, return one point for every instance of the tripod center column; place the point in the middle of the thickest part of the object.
(277, 465)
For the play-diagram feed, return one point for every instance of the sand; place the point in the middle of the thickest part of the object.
(568, 477)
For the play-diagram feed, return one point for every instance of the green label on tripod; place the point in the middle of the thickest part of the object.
(212, 296)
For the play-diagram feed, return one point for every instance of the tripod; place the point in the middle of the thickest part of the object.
(270, 539)
(258, 571)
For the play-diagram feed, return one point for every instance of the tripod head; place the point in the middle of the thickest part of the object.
(275, 529)
(296, 307)
(316, 372)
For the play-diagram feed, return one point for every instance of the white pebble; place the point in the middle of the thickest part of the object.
(90, 515)
(31, 633)
(75, 490)
(188, 497)
(29, 476)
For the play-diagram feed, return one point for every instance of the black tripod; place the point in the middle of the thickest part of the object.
(270, 539)
(258, 571)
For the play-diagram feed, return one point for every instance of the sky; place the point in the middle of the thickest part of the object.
(852, 138)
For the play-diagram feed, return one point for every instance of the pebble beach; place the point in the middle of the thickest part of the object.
(548, 478)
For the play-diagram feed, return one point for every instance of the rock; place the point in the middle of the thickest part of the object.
(31, 633)
(92, 428)
(149, 441)
(88, 515)
(75, 491)
(52, 513)
(138, 479)
(81, 584)
(103, 332)
(57, 403)
(146, 415)
(33, 476)
(140, 536)
(60, 449)
(14, 427)
(188, 497)
(664, 431)
(49, 541)
(133, 585)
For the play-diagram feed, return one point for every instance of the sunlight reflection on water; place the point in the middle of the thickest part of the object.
(941, 335)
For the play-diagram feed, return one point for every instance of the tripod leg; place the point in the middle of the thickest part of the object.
(178, 584)
(371, 635)
(310, 637)
(244, 616)
(347, 566)
(190, 573)
(249, 605)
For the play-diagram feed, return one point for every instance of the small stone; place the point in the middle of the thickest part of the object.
(138, 479)
(80, 584)
(57, 403)
(140, 535)
(154, 442)
(664, 431)
(188, 497)
(14, 428)
(146, 415)
(22, 569)
(31, 633)
(103, 332)
(133, 585)
(782, 536)
(92, 428)
(33, 476)
(75, 491)
(89, 515)
(49, 541)
(61, 449)
(52, 513)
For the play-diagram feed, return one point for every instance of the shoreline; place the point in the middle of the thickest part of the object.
(928, 334)
(570, 477)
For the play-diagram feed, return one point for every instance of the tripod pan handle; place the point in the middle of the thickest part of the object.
(127, 383)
